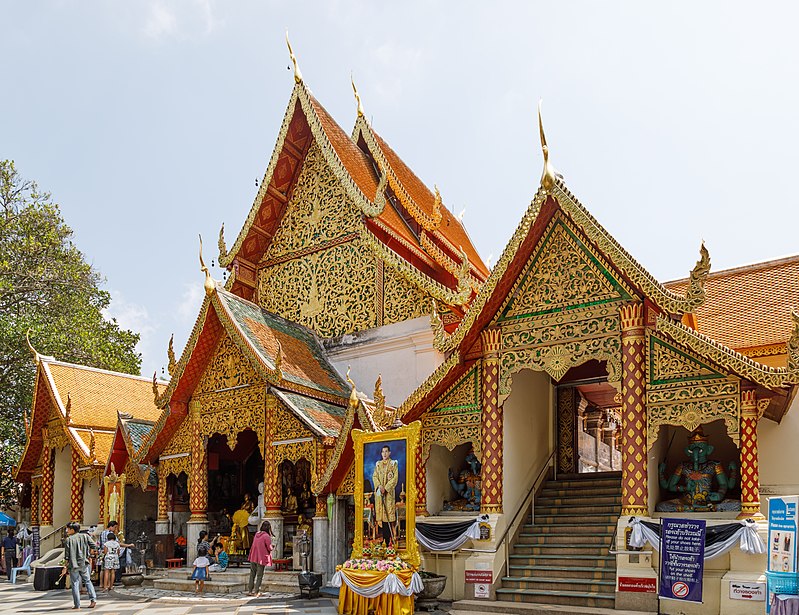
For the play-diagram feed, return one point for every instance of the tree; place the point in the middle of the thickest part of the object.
(46, 286)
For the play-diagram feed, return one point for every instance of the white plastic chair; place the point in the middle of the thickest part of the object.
(25, 566)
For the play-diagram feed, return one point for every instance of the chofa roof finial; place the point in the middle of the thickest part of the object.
(209, 284)
(297, 73)
(36, 356)
(357, 96)
(548, 175)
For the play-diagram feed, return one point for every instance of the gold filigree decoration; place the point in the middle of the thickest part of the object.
(658, 395)
(68, 411)
(668, 364)
(769, 377)
(230, 412)
(227, 368)
(451, 430)
(288, 426)
(174, 466)
(347, 486)
(135, 476)
(463, 395)
(439, 333)
(92, 447)
(56, 435)
(695, 293)
(793, 346)
(221, 244)
(294, 451)
(449, 264)
(170, 353)
(402, 300)
(156, 391)
(561, 327)
(692, 414)
(180, 442)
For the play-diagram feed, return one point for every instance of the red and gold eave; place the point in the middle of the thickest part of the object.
(355, 164)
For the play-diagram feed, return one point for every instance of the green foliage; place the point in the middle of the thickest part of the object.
(47, 286)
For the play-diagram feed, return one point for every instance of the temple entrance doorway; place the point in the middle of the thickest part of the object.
(233, 479)
(588, 421)
(298, 503)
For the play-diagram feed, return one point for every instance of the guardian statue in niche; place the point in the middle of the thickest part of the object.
(702, 483)
(467, 485)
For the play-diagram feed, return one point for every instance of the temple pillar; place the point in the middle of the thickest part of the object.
(421, 483)
(75, 489)
(198, 487)
(633, 393)
(48, 473)
(491, 427)
(101, 508)
(321, 527)
(34, 505)
(750, 477)
(272, 495)
(162, 520)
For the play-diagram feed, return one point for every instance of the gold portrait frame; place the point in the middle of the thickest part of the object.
(411, 434)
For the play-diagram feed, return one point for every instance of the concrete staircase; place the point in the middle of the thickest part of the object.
(561, 556)
(232, 581)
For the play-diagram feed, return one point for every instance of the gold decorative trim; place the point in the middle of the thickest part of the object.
(769, 377)
(446, 262)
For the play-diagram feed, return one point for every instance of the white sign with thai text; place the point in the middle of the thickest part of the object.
(747, 591)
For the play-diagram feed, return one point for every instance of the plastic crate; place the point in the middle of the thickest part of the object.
(783, 583)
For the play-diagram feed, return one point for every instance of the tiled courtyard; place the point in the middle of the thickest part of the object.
(23, 599)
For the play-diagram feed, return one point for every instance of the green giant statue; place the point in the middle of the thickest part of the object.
(701, 482)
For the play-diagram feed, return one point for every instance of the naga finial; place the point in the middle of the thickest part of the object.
(793, 346)
(279, 361)
(92, 447)
(439, 333)
(437, 207)
(68, 410)
(379, 397)
(170, 353)
(209, 284)
(695, 293)
(36, 356)
(357, 96)
(462, 275)
(353, 393)
(156, 392)
(297, 73)
(221, 244)
(548, 175)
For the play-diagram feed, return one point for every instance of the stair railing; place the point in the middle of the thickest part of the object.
(503, 542)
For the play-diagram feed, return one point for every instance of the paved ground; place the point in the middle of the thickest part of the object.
(22, 599)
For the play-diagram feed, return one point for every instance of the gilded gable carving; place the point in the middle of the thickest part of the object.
(402, 300)
(464, 396)
(227, 369)
(563, 274)
(331, 291)
(668, 365)
(180, 442)
(318, 212)
(288, 426)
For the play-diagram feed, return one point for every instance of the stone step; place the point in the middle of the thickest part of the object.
(231, 574)
(602, 483)
(560, 583)
(574, 492)
(567, 549)
(598, 500)
(571, 572)
(567, 518)
(548, 596)
(187, 585)
(599, 561)
(589, 476)
(564, 539)
(570, 528)
(584, 509)
(469, 607)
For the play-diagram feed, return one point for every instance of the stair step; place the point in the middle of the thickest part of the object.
(187, 585)
(589, 476)
(564, 539)
(570, 571)
(600, 561)
(575, 492)
(584, 484)
(570, 528)
(548, 596)
(594, 500)
(558, 583)
(564, 549)
(571, 519)
(579, 509)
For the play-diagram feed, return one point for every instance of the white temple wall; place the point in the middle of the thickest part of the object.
(528, 436)
(91, 502)
(61, 486)
(778, 450)
(402, 352)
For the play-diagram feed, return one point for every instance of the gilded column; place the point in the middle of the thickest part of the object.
(750, 478)
(47, 486)
(272, 495)
(101, 509)
(34, 505)
(421, 483)
(76, 490)
(162, 499)
(491, 427)
(633, 408)
(198, 481)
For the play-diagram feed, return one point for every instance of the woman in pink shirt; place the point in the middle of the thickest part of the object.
(260, 556)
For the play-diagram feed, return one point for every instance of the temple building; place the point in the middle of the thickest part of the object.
(558, 393)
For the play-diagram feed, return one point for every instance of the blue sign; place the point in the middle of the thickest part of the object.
(682, 559)
(782, 520)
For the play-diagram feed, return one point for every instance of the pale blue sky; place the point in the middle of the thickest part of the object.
(149, 121)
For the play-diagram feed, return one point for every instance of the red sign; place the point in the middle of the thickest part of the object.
(479, 576)
(638, 584)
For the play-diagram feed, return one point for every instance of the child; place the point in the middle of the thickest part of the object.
(200, 572)
(111, 550)
(222, 559)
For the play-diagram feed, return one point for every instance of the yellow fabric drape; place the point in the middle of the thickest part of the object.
(350, 603)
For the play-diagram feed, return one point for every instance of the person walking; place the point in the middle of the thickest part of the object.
(9, 552)
(260, 556)
(110, 559)
(77, 552)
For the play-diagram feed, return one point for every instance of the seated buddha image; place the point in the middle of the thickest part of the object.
(702, 484)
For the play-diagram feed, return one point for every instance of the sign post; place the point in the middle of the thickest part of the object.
(782, 513)
(682, 559)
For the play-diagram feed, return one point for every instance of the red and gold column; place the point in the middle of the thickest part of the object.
(633, 408)
(491, 428)
(47, 486)
(272, 495)
(76, 490)
(162, 499)
(34, 505)
(198, 481)
(750, 477)
(421, 484)
(101, 509)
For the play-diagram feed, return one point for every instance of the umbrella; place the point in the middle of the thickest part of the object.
(6, 520)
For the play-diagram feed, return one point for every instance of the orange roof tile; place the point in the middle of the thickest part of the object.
(749, 306)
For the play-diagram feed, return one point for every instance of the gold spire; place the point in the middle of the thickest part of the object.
(209, 284)
(548, 176)
(68, 410)
(695, 293)
(221, 244)
(353, 393)
(170, 353)
(92, 447)
(297, 73)
(357, 96)
(36, 356)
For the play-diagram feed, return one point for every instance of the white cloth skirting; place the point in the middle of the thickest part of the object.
(388, 585)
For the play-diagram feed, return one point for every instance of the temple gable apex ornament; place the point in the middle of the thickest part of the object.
(548, 175)
(695, 293)
(221, 244)
(36, 356)
(170, 353)
(297, 73)
(357, 97)
(209, 285)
